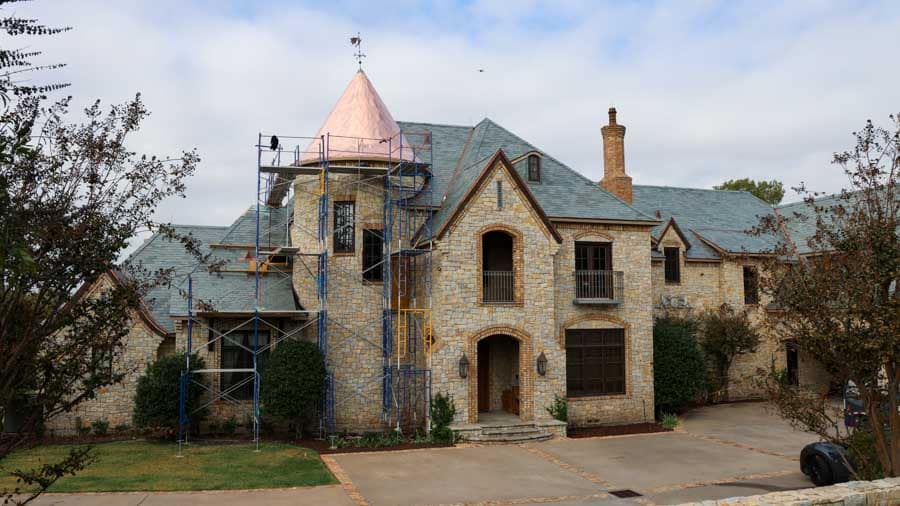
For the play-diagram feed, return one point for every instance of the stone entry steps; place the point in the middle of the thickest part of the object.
(519, 434)
(510, 431)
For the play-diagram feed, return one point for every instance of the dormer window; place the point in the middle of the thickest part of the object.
(534, 168)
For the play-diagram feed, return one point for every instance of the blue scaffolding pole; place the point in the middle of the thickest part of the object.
(408, 188)
(327, 409)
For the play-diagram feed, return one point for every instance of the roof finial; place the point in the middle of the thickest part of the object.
(359, 55)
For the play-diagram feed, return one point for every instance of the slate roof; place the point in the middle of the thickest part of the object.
(447, 143)
(721, 217)
(561, 192)
(800, 218)
(159, 252)
(226, 291)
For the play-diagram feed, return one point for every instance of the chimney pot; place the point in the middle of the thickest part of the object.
(612, 115)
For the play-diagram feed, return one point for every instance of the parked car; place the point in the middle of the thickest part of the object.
(825, 463)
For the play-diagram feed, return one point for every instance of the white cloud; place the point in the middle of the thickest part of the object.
(708, 91)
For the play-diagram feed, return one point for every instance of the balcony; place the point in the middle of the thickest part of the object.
(599, 287)
(497, 287)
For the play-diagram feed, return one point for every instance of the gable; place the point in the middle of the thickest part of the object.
(672, 235)
(498, 168)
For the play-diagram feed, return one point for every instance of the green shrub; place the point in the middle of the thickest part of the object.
(679, 371)
(668, 421)
(559, 409)
(122, 428)
(293, 383)
(100, 427)
(229, 427)
(867, 466)
(156, 399)
(379, 439)
(443, 409)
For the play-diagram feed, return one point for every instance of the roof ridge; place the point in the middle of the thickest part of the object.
(691, 188)
(452, 125)
(196, 226)
(815, 199)
(462, 155)
(570, 169)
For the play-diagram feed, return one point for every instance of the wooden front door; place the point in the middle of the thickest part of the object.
(484, 375)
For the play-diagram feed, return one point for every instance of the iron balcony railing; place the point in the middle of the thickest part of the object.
(599, 287)
(498, 286)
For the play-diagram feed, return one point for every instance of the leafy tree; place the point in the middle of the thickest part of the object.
(679, 371)
(14, 63)
(724, 334)
(839, 302)
(71, 196)
(768, 191)
(156, 396)
(293, 383)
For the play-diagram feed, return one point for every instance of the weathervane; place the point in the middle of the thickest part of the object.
(359, 55)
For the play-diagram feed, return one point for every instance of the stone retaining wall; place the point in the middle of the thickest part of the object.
(855, 493)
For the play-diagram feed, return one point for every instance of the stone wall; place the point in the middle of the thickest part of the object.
(461, 319)
(707, 285)
(634, 314)
(355, 305)
(884, 492)
(114, 403)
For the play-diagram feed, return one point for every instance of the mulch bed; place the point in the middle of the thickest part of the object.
(324, 447)
(616, 430)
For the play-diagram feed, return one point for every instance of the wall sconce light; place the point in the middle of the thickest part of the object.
(542, 364)
(464, 366)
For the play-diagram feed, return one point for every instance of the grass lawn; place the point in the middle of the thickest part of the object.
(141, 465)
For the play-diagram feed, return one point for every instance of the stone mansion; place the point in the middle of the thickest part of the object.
(456, 259)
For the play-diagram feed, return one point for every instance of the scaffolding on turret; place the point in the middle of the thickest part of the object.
(398, 170)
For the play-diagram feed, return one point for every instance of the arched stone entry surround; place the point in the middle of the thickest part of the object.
(526, 369)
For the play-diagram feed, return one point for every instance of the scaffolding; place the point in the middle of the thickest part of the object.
(399, 170)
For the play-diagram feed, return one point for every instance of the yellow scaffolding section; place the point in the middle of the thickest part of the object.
(404, 317)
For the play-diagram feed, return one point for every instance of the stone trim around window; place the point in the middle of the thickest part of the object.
(518, 264)
(526, 369)
(614, 323)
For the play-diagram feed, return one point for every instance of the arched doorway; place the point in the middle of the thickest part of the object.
(499, 389)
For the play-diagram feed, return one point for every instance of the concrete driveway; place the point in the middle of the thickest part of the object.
(720, 451)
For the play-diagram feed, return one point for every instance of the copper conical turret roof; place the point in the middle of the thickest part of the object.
(360, 127)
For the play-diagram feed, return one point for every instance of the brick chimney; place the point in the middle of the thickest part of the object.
(614, 178)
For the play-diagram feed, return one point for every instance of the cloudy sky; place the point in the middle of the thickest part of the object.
(708, 90)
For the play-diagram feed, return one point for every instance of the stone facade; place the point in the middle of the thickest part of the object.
(462, 318)
(114, 403)
(355, 305)
(709, 284)
(634, 315)
(543, 307)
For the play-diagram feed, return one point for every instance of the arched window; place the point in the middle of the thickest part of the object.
(498, 275)
(534, 168)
